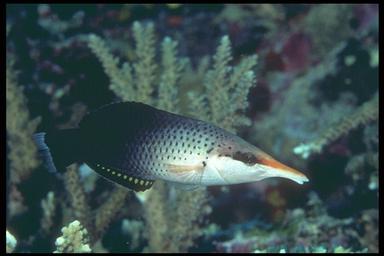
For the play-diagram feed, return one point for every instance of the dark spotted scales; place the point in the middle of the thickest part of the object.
(132, 143)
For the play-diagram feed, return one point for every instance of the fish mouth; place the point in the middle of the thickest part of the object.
(277, 169)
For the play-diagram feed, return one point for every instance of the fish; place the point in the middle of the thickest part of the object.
(134, 144)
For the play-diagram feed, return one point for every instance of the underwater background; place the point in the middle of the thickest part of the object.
(300, 81)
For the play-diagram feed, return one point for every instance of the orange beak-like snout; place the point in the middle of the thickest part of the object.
(281, 170)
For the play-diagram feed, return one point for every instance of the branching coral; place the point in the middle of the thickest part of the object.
(157, 220)
(174, 218)
(367, 112)
(19, 129)
(48, 205)
(138, 83)
(74, 239)
(145, 67)
(81, 209)
(22, 151)
(225, 89)
(121, 78)
(186, 216)
(172, 67)
(109, 209)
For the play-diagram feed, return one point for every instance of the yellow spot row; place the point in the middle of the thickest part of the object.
(142, 182)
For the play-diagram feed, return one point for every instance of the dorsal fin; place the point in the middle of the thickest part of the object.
(121, 178)
(122, 109)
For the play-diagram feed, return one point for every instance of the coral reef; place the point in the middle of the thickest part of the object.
(369, 111)
(314, 107)
(73, 240)
(81, 210)
(108, 210)
(11, 242)
(49, 205)
(225, 92)
(333, 29)
(22, 153)
(303, 230)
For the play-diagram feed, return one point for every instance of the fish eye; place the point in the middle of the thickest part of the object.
(246, 157)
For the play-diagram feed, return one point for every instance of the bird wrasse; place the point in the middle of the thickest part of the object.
(134, 145)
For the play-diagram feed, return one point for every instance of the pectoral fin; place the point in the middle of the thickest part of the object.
(187, 174)
(180, 168)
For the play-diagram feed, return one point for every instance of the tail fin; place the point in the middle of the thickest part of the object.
(58, 149)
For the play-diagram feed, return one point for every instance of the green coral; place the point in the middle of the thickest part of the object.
(172, 67)
(79, 204)
(19, 128)
(225, 89)
(367, 112)
(74, 239)
(48, 205)
(145, 67)
(136, 81)
(121, 78)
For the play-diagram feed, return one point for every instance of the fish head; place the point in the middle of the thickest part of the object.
(241, 162)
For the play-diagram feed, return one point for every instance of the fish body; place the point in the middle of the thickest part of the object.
(134, 145)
